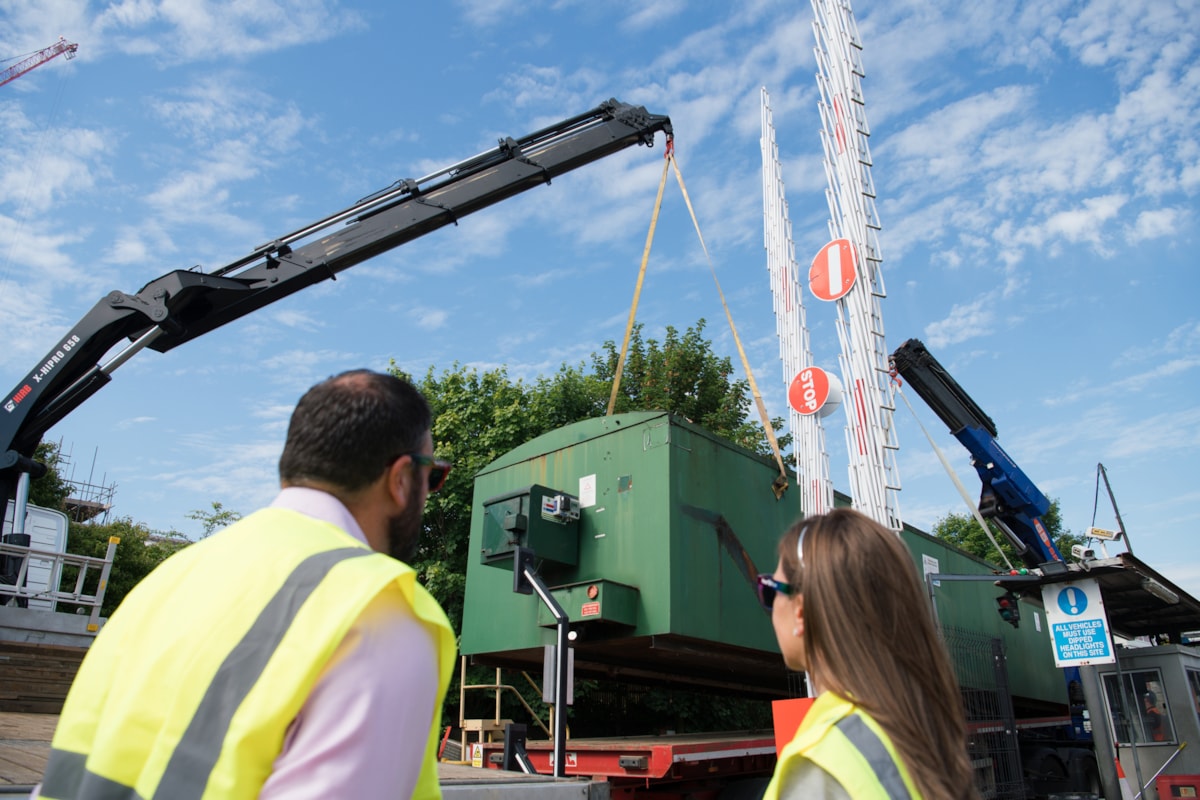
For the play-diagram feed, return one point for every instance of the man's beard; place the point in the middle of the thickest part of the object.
(404, 529)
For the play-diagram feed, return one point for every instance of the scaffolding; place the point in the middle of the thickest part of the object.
(89, 501)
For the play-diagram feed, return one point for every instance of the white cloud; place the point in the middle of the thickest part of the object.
(40, 165)
(1084, 224)
(649, 13)
(546, 278)
(217, 106)
(1181, 341)
(1158, 435)
(274, 413)
(940, 149)
(1185, 338)
(140, 245)
(1129, 35)
(485, 13)
(241, 476)
(28, 310)
(303, 362)
(176, 31)
(40, 246)
(1154, 224)
(964, 322)
(201, 193)
(228, 134)
(132, 422)
(128, 14)
(29, 25)
(430, 318)
(295, 318)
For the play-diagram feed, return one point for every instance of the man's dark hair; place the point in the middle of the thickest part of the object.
(347, 429)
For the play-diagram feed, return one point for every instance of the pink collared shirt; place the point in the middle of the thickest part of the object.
(362, 732)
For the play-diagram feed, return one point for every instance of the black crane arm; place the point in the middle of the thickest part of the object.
(1008, 496)
(938, 388)
(184, 304)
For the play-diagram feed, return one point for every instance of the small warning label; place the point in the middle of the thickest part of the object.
(590, 610)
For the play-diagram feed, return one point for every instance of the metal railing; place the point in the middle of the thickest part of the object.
(498, 688)
(13, 586)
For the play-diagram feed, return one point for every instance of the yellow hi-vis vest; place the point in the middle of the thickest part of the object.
(844, 741)
(189, 689)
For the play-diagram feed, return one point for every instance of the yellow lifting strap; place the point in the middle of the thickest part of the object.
(780, 484)
(962, 490)
(637, 292)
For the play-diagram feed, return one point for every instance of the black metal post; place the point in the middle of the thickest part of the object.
(525, 581)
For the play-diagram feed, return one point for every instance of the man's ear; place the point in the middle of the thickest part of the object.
(398, 480)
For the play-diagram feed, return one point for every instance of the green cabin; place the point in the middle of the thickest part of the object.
(649, 531)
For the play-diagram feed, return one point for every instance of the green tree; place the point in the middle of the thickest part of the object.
(138, 552)
(478, 416)
(52, 489)
(685, 377)
(213, 521)
(963, 531)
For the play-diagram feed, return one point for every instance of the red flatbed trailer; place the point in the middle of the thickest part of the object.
(1029, 723)
(656, 766)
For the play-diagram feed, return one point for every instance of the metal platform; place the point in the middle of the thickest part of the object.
(671, 758)
(25, 747)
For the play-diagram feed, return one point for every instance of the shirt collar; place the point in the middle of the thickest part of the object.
(319, 505)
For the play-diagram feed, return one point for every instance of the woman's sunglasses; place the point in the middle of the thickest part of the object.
(768, 587)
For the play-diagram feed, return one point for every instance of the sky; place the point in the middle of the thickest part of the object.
(1037, 168)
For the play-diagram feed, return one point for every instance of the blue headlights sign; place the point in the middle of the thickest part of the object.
(1078, 624)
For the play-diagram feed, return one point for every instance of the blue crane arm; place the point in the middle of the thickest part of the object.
(1008, 497)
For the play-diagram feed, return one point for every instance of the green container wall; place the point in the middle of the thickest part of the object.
(971, 606)
(660, 485)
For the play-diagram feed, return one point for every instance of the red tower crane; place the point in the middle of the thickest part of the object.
(62, 46)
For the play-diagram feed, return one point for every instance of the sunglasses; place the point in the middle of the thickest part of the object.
(438, 468)
(768, 587)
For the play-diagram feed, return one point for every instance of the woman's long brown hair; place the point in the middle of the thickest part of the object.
(869, 637)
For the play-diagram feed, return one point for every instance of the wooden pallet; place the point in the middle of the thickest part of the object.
(24, 747)
(35, 678)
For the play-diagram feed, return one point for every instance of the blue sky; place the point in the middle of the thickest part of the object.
(1037, 170)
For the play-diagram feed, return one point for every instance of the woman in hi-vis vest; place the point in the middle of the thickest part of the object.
(848, 609)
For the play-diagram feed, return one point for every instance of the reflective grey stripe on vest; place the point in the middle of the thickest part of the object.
(67, 777)
(867, 742)
(200, 746)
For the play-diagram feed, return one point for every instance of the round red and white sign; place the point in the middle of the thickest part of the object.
(809, 391)
(832, 272)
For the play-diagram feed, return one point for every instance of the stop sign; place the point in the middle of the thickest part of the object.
(832, 271)
(811, 389)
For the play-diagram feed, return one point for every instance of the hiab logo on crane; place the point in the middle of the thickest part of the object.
(11, 405)
(58, 356)
(40, 375)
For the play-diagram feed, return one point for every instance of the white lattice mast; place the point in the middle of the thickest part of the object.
(808, 433)
(870, 433)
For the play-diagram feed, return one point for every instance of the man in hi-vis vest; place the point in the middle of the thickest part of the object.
(292, 654)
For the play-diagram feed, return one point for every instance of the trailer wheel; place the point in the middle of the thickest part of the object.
(748, 789)
(1085, 775)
